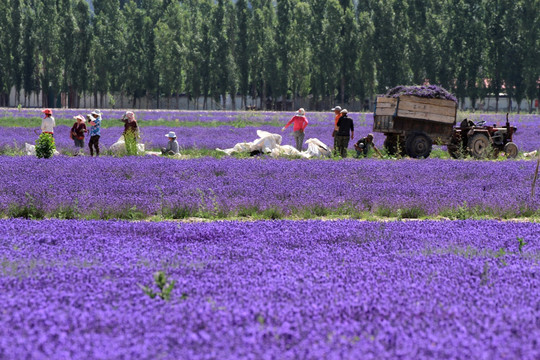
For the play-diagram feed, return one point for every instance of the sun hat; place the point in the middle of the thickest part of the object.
(129, 115)
(338, 108)
(301, 112)
(80, 117)
(344, 111)
(47, 111)
(171, 134)
(96, 112)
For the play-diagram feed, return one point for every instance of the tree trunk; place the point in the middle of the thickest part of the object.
(263, 96)
(44, 100)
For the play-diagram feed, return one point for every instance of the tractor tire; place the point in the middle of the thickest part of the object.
(511, 150)
(478, 146)
(418, 145)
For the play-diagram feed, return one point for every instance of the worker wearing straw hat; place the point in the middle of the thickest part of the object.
(77, 132)
(131, 132)
(300, 122)
(48, 123)
(172, 146)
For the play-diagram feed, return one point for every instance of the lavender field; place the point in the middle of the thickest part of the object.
(145, 257)
(210, 130)
(138, 187)
(271, 289)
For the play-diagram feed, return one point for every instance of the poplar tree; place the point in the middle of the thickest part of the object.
(242, 49)
(5, 52)
(16, 50)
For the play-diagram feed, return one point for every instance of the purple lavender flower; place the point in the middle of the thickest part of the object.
(269, 290)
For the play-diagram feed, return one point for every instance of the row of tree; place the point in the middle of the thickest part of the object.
(325, 50)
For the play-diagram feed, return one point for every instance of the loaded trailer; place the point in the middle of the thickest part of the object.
(413, 124)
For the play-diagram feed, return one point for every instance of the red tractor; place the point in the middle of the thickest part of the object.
(413, 124)
(481, 140)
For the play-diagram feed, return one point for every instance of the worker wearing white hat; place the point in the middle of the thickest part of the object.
(77, 132)
(172, 146)
(94, 120)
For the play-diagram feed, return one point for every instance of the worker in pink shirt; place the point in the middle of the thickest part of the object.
(300, 123)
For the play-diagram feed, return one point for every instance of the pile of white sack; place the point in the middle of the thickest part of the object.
(269, 143)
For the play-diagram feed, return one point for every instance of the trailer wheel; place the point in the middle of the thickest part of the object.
(478, 145)
(418, 145)
(511, 150)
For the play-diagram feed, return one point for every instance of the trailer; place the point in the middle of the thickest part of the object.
(413, 124)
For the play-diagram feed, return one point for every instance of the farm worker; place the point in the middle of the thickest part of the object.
(337, 113)
(77, 131)
(172, 146)
(131, 132)
(48, 123)
(95, 131)
(300, 122)
(344, 127)
(363, 146)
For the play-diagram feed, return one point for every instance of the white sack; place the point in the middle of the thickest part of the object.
(316, 148)
(265, 143)
(269, 143)
(286, 150)
(119, 147)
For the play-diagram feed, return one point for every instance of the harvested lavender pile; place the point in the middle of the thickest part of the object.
(430, 91)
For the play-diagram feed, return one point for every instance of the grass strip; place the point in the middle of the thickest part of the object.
(108, 123)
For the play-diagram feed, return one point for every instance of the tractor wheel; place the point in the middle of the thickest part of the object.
(511, 150)
(478, 145)
(418, 145)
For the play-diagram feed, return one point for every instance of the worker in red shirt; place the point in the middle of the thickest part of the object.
(300, 122)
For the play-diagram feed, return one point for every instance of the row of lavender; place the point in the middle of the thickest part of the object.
(225, 136)
(143, 186)
(262, 117)
(202, 116)
(200, 137)
(154, 137)
(270, 290)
